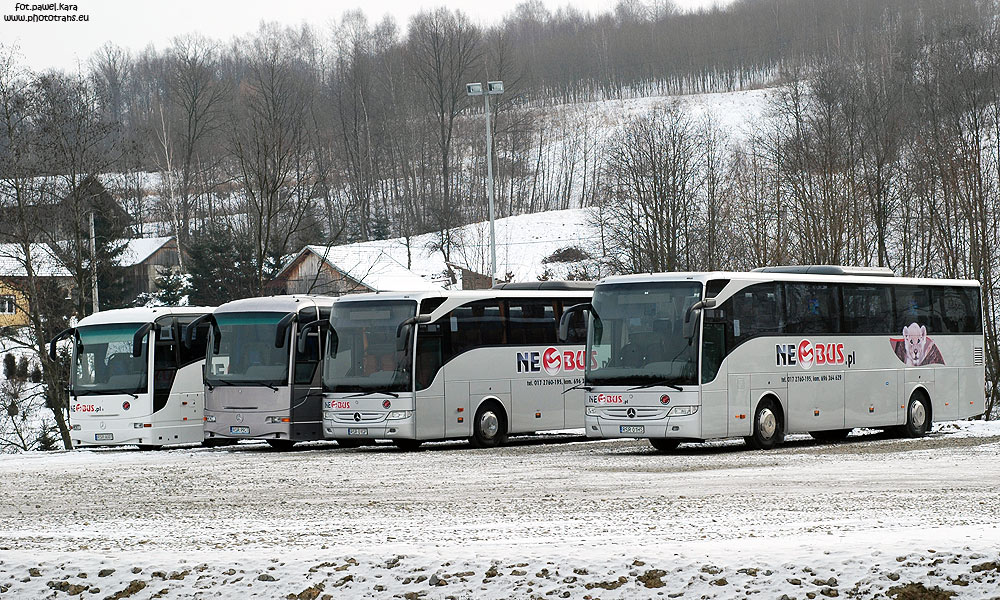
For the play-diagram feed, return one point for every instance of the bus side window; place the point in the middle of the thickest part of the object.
(577, 327)
(474, 325)
(755, 310)
(914, 305)
(531, 322)
(429, 354)
(959, 309)
(164, 364)
(307, 361)
(713, 342)
(867, 309)
(812, 308)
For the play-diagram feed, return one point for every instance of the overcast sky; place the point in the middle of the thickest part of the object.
(134, 24)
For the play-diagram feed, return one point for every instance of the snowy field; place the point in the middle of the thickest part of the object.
(873, 517)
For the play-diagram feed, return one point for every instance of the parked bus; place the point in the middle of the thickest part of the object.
(263, 380)
(696, 356)
(113, 399)
(476, 365)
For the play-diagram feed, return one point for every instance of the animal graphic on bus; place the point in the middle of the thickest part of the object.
(915, 348)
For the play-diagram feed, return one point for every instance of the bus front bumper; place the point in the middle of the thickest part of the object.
(126, 433)
(367, 425)
(682, 427)
(248, 425)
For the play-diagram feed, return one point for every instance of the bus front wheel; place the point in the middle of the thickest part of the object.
(768, 430)
(918, 416)
(489, 428)
(664, 444)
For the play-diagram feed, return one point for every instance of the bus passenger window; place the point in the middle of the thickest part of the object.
(812, 308)
(531, 322)
(755, 311)
(867, 309)
(428, 355)
(960, 312)
(913, 305)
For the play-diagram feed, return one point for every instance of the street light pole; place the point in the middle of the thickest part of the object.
(93, 265)
(477, 89)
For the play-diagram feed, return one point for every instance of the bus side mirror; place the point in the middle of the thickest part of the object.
(65, 333)
(692, 316)
(565, 318)
(137, 339)
(407, 324)
(282, 329)
(191, 329)
(300, 344)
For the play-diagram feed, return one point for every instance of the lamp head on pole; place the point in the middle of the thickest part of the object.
(492, 88)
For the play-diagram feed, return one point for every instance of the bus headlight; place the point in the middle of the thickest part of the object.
(682, 411)
(75, 428)
(400, 414)
(277, 420)
(210, 418)
(592, 411)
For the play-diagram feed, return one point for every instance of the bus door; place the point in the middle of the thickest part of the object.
(307, 386)
(431, 421)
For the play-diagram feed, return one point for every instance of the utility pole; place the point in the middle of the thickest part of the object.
(477, 89)
(93, 264)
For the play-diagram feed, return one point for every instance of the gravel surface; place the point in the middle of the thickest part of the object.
(545, 517)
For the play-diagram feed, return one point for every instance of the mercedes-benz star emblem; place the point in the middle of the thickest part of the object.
(239, 418)
(630, 413)
(357, 417)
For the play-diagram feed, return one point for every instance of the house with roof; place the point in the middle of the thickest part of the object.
(144, 259)
(350, 269)
(14, 308)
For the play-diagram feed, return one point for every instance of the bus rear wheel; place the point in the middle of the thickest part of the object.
(768, 430)
(664, 444)
(489, 428)
(918, 416)
(832, 435)
(281, 444)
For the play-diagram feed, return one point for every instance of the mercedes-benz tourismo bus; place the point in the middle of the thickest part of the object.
(263, 380)
(132, 381)
(475, 365)
(823, 349)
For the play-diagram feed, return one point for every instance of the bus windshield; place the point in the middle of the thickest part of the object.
(103, 361)
(244, 352)
(362, 348)
(637, 334)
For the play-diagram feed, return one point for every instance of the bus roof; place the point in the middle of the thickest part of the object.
(761, 276)
(466, 295)
(141, 314)
(284, 304)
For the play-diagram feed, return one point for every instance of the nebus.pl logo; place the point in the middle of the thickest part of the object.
(806, 354)
(553, 361)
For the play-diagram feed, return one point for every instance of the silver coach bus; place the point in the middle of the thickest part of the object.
(475, 365)
(822, 349)
(263, 376)
(132, 381)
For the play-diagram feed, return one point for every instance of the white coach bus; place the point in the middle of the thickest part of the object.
(132, 381)
(475, 365)
(696, 356)
(263, 378)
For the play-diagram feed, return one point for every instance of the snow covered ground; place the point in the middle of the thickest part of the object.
(867, 518)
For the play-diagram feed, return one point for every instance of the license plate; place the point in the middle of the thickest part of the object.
(632, 429)
(104, 437)
(356, 431)
(243, 429)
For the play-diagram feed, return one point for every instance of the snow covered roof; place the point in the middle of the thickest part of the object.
(45, 263)
(373, 267)
(523, 242)
(138, 250)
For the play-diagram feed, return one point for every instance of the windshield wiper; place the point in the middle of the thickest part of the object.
(579, 386)
(102, 393)
(370, 392)
(212, 384)
(260, 383)
(666, 382)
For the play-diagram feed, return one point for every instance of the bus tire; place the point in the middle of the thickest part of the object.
(408, 445)
(918, 415)
(664, 444)
(768, 428)
(281, 444)
(831, 435)
(489, 428)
